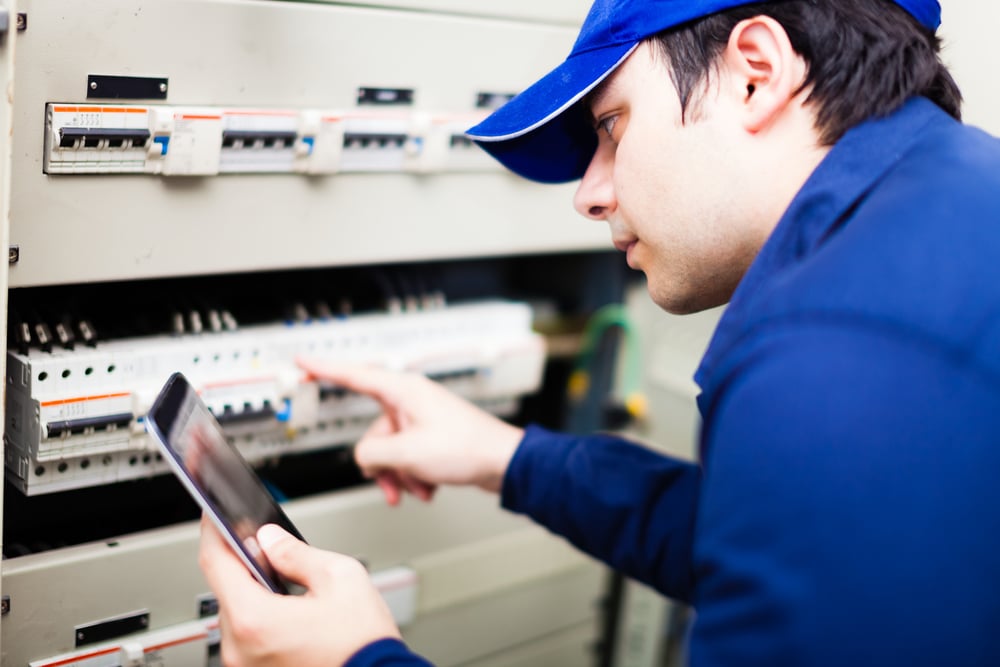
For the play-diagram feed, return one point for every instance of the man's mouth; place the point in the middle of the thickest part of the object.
(624, 244)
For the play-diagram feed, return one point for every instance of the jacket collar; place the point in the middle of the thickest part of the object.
(848, 172)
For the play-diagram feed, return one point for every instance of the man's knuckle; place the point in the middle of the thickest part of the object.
(230, 656)
(282, 550)
(246, 628)
(344, 567)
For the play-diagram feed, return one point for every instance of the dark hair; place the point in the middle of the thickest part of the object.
(865, 58)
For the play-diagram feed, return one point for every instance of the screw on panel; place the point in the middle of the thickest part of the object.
(13, 254)
(22, 21)
(93, 85)
(5, 605)
(163, 87)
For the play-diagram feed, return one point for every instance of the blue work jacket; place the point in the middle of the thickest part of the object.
(846, 509)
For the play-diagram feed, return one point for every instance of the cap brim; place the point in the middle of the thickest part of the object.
(542, 134)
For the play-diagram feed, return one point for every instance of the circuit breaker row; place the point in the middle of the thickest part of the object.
(194, 643)
(205, 141)
(75, 417)
(127, 644)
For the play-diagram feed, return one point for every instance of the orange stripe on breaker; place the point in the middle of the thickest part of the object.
(87, 656)
(81, 399)
(65, 109)
(176, 642)
(191, 116)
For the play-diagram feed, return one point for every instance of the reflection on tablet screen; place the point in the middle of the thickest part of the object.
(215, 472)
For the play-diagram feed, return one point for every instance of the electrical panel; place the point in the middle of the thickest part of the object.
(178, 141)
(295, 181)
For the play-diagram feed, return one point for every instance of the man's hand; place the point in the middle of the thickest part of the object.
(426, 435)
(340, 613)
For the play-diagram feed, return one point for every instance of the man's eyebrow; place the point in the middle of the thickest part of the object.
(594, 98)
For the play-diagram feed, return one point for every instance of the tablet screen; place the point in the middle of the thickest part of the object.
(216, 474)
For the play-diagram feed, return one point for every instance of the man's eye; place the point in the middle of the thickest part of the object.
(608, 125)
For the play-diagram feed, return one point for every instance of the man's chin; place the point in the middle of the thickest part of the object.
(680, 303)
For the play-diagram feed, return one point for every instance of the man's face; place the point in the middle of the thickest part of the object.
(674, 193)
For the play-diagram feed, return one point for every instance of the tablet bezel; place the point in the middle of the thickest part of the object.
(161, 421)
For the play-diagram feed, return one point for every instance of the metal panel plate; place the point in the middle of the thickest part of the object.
(268, 55)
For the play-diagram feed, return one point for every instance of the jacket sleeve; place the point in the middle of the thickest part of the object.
(386, 653)
(620, 502)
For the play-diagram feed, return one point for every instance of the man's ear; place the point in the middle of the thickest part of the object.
(764, 68)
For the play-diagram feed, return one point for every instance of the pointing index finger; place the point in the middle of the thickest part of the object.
(369, 380)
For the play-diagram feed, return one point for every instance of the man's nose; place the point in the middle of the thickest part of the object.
(595, 196)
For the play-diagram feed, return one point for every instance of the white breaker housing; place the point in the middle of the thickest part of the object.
(75, 418)
(205, 141)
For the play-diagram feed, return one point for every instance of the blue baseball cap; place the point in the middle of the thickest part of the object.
(544, 135)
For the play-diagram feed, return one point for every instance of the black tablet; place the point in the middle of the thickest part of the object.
(216, 475)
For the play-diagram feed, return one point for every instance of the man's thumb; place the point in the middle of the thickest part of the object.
(292, 558)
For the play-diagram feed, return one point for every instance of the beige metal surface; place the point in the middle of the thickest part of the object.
(565, 11)
(7, 42)
(493, 626)
(968, 33)
(513, 582)
(568, 648)
(273, 54)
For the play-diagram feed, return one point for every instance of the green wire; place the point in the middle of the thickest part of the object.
(606, 317)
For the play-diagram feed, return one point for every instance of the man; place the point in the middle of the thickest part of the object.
(801, 160)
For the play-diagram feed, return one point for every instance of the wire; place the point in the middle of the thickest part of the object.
(611, 315)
